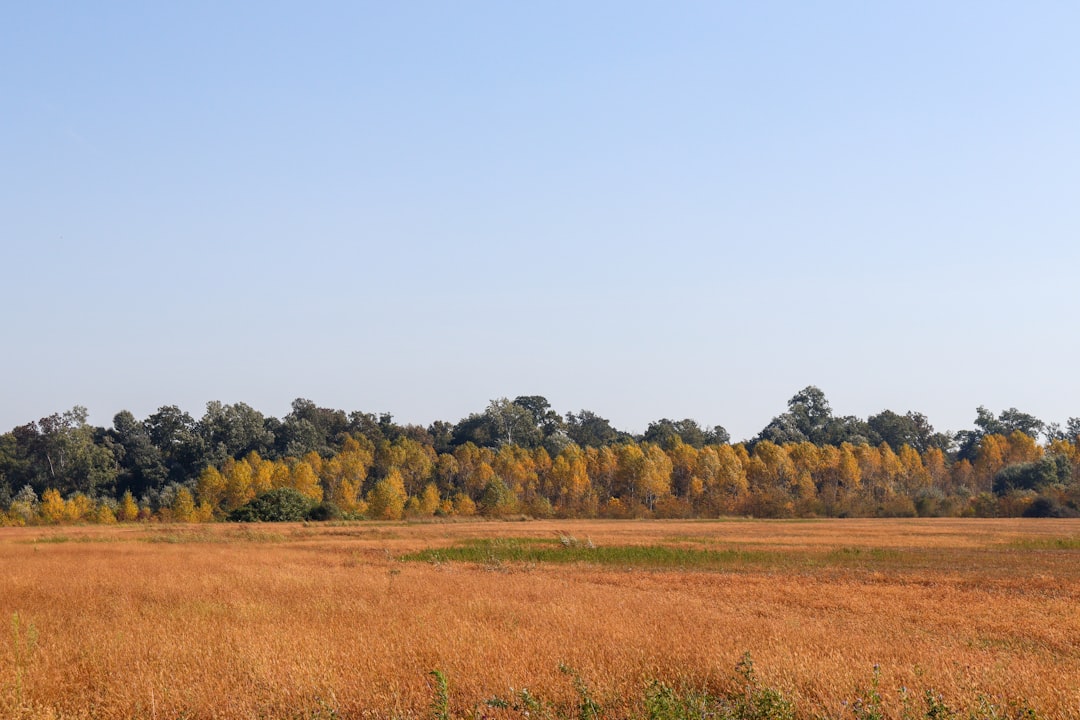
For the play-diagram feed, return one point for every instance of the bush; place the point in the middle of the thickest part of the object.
(278, 505)
(1048, 507)
(325, 510)
(497, 499)
(1050, 470)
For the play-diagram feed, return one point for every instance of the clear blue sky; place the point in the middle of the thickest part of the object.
(645, 209)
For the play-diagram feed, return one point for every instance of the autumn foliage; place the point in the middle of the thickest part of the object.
(519, 459)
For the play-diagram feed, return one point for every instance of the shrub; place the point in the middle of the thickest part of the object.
(1047, 507)
(496, 499)
(325, 510)
(278, 505)
(1049, 470)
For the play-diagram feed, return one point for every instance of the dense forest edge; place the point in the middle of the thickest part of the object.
(521, 458)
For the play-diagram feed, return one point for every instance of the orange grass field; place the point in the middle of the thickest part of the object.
(286, 621)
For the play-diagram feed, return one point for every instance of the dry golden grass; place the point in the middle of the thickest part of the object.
(279, 621)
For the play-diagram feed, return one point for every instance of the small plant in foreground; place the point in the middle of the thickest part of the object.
(588, 709)
(744, 699)
(936, 709)
(440, 704)
(523, 702)
(756, 702)
(869, 707)
(663, 702)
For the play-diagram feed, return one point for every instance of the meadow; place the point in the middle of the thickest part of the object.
(840, 619)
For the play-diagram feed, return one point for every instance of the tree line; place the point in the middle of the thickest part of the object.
(521, 457)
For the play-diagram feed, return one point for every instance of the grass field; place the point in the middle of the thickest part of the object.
(290, 621)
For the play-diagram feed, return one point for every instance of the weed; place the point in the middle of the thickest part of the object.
(440, 704)
(524, 703)
(588, 708)
(936, 709)
(746, 699)
(869, 707)
(663, 702)
(493, 553)
(756, 702)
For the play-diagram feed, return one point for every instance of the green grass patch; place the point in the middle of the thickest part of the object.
(563, 551)
(242, 534)
(60, 538)
(679, 554)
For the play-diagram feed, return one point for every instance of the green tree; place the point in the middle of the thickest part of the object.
(512, 424)
(141, 463)
(61, 453)
(233, 431)
(588, 429)
(174, 433)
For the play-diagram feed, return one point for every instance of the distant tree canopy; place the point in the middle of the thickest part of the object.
(522, 456)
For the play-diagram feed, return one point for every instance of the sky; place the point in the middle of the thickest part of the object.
(643, 209)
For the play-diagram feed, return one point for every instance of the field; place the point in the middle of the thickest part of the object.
(290, 621)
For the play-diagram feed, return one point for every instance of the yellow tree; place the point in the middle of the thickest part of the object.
(629, 473)
(828, 477)
(913, 475)
(656, 482)
(1021, 448)
(891, 469)
(770, 468)
(342, 480)
(570, 481)
(262, 472)
(603, 467)
(936, 469)
(211, 487)
(78, 507)
(446, 472)
(962, 475)
(806, 462)
(989, 461)
(104, 514)
(839, 478)
(313, 459)
(474, 468)
(388, 456)
(386, 501)
(304, 478)
(849, 468)
(731, 482)
(514, 466)
(281, 475)
(183, 506)
(417, 461)
(702, 493)
(429, 500)
(535, 497)
(870, 471)
(684, 459)
(128, 510)
(239, 484)
(464, 505)
(52, 506)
